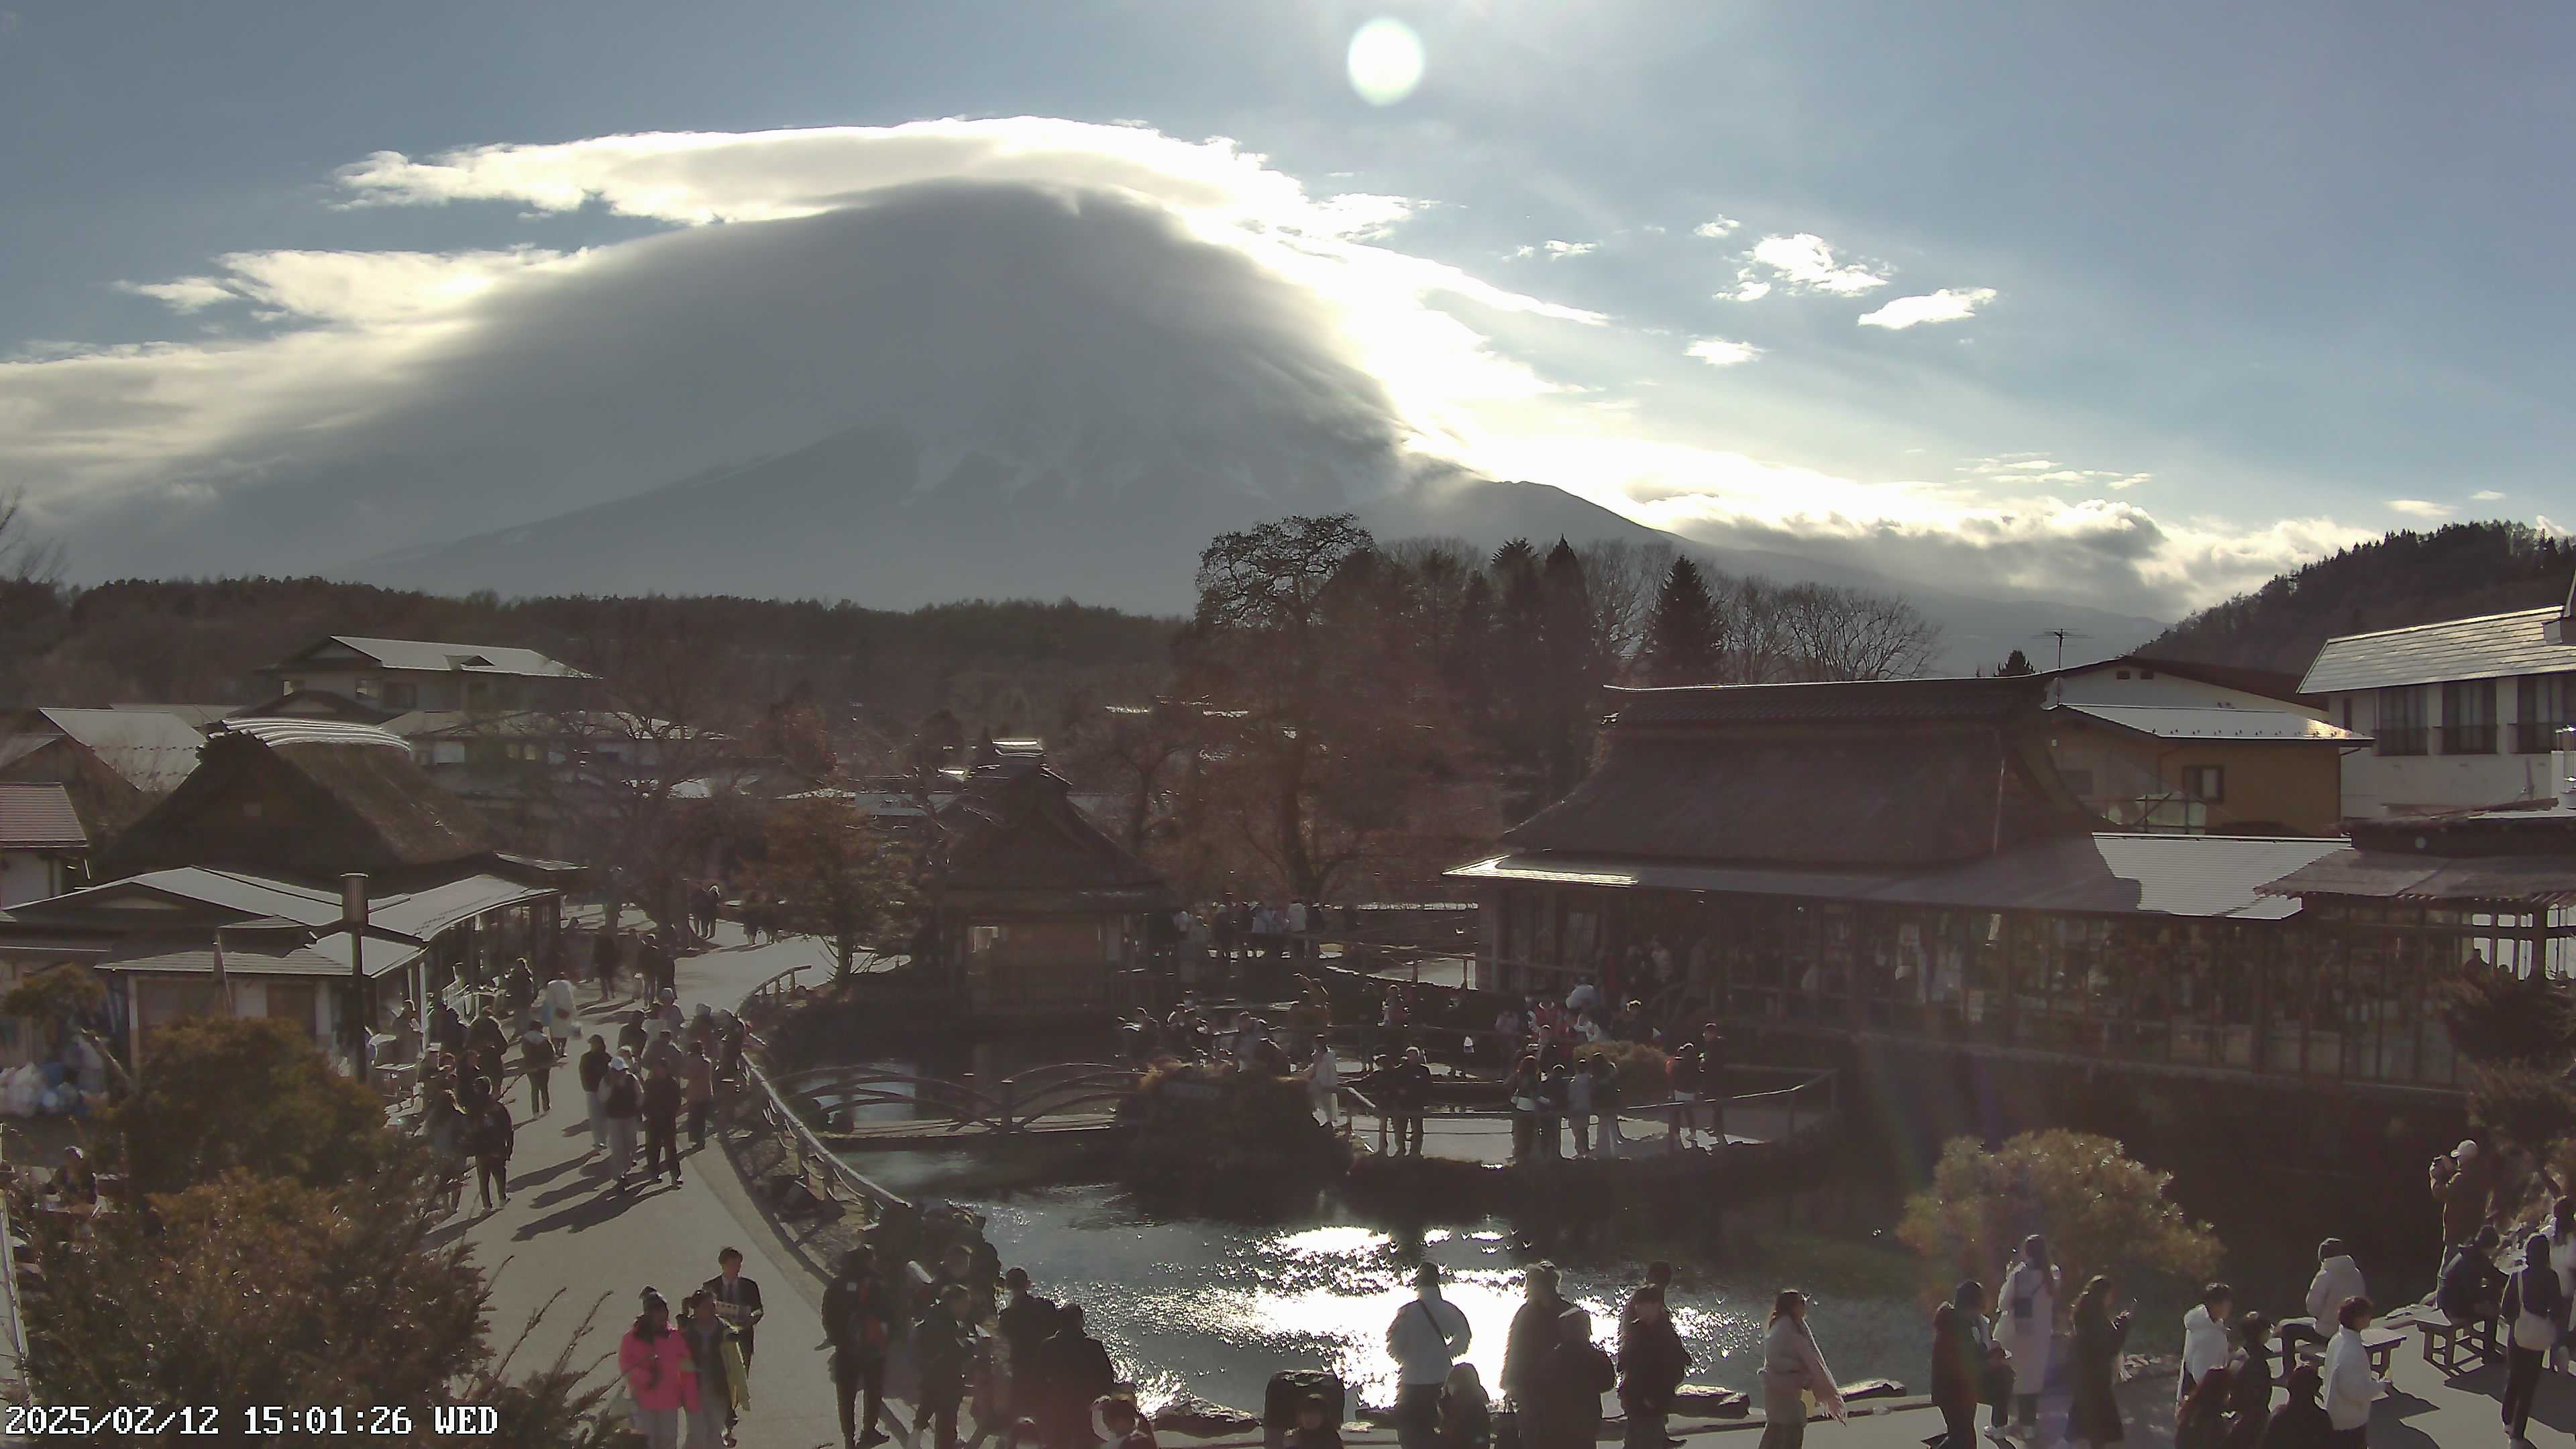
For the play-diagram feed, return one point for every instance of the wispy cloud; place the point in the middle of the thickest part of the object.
(1716, 227)
(1720, 352)
(2419, 508)
(1803, 263)
(1946, 305)
(2035, 467)
(1560, 249)
(186, 294)
(2486, 495)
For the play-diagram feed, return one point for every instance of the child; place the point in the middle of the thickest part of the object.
(1466, 1414)
(1312, 1432)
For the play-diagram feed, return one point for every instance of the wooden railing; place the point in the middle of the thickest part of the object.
(1011, 1105)
(807, 1150)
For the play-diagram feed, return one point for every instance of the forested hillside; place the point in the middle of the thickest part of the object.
(1018, 666)
(2457, 571)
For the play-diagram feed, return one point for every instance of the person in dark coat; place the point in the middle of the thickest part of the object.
(1313, 1429)
(1077, 1371)
(2252, 1400)
(1533, 1332)
(2093, 1417)
(2301, 1422)
(944, 1347)
(1522, 1088)
(1466, 1414)
(1025, 1322)
(485, 1038)
(2471, 1284)
(494, 1137)
(2201, 1422)
(594, 1075)
(1408, 1091)
(1652, 1363)
(603, 962)
(661, 1107)
(1573, 1377)
(857, 1321)
(1957, 1367)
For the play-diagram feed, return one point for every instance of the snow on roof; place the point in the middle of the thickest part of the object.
(2182, 722)
(426, 654)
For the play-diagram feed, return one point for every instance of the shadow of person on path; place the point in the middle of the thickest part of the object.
(599, 1208)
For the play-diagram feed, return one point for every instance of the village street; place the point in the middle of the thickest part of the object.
(563, 1232)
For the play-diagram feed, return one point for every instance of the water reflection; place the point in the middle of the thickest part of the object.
(1213, 1309)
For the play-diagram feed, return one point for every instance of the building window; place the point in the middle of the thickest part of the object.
(2205, 782)
(2468, 717)
(402, 694)
(2343, 708)
(2545, 701)
(2400, 727)
(368, 686)
(289, 686)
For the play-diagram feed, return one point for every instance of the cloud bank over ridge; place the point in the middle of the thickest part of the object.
(1005, 283)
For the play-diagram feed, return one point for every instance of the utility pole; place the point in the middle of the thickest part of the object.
(2061, 636)
(353, 915)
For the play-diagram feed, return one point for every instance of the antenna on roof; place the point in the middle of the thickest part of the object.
(2061, 636)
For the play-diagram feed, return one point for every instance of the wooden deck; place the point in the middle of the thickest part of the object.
(942, 1132)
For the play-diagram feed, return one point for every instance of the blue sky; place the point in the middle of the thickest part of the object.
(2211, 287)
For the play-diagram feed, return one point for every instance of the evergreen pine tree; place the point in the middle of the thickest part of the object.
(1681, 638)
(2014, 665)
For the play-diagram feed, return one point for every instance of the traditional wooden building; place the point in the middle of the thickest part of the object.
(238, 875)
(1033, 910)
(1900, 862)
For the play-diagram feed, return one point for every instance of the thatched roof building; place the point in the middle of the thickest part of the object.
(305, 799)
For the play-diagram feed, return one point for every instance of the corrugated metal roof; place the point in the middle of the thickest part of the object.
(2197, 876)
(2489, 647)
(196, 716)
(39, 817)
(470, 658)
(2535, 880)
(327, 956)
(423, 914)
(289, 730)
(2183, 722)
(250, 895)
(1876, 699)
(154, 752)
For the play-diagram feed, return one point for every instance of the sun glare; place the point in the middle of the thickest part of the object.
(1385, 61)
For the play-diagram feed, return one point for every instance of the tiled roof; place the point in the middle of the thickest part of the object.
(2488, 647)
(2169, 722)
(39, 817)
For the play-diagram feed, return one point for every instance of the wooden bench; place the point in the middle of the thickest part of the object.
(2381, 1343)
(2446, 1343)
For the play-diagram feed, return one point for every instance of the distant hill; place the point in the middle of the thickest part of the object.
(2457, 571)
(1014, 667)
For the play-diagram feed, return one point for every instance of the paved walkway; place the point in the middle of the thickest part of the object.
(563, 1231)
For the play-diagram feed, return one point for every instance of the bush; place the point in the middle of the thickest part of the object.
(1228, 1139)
(2496, 1017)
(254, 1094)
(2523, 1104)
(2101, 1211)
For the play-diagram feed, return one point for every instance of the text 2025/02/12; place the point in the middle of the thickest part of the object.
(40, 1421)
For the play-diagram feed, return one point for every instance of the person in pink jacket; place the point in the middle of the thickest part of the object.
(654, 1358)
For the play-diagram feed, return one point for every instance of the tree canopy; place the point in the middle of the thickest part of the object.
(249, 1093)
(2100, 1211)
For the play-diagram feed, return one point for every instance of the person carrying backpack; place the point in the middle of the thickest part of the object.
(1576, 1374)
(2531, 1306)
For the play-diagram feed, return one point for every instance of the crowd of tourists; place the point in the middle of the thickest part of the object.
(693, 1372)
(666, 1072)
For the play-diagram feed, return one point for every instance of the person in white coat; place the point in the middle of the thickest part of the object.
(2351, 1388)
(2338, 1278)
(2204, 1337)
(1428, 1334)
(1324, 1078)
(2027, 1329)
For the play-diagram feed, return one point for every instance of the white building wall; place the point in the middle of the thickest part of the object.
(27, 875)
(2375, 784)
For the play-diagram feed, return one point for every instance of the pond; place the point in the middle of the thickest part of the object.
(1212, 1309)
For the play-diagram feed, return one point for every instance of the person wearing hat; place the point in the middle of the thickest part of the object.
(2462, 1183)
(1712, 1079)
(1408, 1091)
(1428, 1334)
